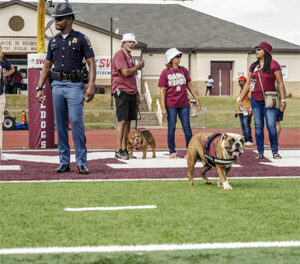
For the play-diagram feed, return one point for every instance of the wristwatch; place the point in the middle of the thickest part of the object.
(38, 88)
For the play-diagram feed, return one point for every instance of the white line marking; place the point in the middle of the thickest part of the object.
(162, 247)
(9, 167)
(290, 158)
(156, 179)
(162, 160)
(110, 208)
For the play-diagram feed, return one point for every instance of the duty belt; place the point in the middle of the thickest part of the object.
(63, 76)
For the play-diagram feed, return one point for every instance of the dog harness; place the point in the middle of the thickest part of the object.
(210, 154)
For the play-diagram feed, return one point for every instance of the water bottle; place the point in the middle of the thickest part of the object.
(245, 113)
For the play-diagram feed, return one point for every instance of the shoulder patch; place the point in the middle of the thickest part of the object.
(88, 41)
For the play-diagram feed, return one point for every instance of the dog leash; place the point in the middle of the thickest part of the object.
(138, 117)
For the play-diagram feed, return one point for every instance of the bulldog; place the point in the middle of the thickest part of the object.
(214, 150)
(140, 140)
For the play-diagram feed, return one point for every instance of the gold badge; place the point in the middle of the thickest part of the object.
(74, 40)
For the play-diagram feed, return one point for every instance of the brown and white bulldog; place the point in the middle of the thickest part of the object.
(222, 153)
(140, 140)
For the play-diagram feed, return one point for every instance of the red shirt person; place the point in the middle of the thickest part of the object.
(125, 91)
(174, 82)
(17, 80)
(262, 74)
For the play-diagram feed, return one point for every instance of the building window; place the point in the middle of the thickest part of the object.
(16, 23)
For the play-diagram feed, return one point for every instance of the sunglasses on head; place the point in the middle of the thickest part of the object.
(61, 18)
(258, 49)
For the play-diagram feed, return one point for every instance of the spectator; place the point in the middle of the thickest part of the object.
(17, 81)
(4, 65)
(269, 71)
(174, 82)
(9, 85)
(245, 113)
(209, 85)
(125, 91)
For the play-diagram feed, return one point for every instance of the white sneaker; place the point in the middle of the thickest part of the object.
(3, 157)
(249, 143)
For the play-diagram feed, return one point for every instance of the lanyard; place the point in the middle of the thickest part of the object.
(258, 68)
(129, 57)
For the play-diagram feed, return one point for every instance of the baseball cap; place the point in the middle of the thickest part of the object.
(242, 78)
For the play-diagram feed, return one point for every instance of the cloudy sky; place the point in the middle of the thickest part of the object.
(278, 18)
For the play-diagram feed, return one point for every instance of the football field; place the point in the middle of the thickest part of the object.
(144, 211)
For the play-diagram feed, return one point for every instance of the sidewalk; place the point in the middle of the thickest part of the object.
(106, 138)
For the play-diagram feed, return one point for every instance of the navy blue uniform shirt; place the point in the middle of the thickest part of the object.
(67, 54)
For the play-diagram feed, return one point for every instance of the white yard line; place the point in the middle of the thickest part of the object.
(110, 208)
(9, 167)
(156, 179)
(162, 247)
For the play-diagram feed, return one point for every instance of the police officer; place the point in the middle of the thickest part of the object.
(66, 51)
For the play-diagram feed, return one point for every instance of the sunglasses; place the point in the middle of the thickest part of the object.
(178, 56)
(60, 18)
(258, 49)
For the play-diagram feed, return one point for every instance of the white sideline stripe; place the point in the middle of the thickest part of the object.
(162, 247)
(110, 208)
(154, 179)
(9, 167)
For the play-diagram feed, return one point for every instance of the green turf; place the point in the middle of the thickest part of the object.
(32, 215)
(225, 256)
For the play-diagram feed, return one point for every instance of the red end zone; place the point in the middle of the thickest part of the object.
(39, 165)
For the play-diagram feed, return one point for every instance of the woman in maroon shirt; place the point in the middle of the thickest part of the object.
(174, 82)
(269, 71)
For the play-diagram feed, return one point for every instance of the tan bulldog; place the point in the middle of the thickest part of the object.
(222, 152)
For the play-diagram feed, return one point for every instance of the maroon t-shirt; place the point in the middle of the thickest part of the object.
(128, 85)
(17, 77)
(268, 80)
(175, 81)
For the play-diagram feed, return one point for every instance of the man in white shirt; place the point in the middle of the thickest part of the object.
(209, 85)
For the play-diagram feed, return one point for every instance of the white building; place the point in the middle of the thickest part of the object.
(210, 45)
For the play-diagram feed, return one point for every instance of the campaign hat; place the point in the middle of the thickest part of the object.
(63, 9)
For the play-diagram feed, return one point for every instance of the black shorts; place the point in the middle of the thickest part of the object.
(208, 87)
(279, 115)
(126, 106)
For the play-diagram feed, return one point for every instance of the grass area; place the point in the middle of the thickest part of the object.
(32, 215)
(219, 112)
(220, 256)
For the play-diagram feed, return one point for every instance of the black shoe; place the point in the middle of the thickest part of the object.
(62, 168)
(121, 154)
(83, 170)
(127, 153)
